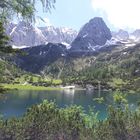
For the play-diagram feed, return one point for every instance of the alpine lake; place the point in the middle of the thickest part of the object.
(15, 103)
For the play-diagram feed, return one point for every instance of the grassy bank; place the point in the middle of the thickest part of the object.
(36, 78)
(28, 87)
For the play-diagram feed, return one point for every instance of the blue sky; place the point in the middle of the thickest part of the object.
(69, 13)
(74, 14)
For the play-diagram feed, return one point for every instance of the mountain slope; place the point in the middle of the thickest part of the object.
(115, 67)
(36, 58)
(9, 71)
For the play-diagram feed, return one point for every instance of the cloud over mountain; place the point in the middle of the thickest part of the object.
(120, 13)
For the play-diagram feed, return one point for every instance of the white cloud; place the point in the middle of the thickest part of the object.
(120, 13)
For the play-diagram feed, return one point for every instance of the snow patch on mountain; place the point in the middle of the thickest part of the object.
(13, 30)
(67, 45)
(19, 47)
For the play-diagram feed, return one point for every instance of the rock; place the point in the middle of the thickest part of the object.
(94, 33)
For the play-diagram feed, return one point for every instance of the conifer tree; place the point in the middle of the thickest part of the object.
(22, 8)
(4, 40)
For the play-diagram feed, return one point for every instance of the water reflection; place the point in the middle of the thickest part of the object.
(68, 95)
(69, 91)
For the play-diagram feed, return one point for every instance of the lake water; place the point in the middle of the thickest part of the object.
(15, 103)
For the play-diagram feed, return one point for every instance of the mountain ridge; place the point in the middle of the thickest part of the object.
(25, 34)
(40, 55)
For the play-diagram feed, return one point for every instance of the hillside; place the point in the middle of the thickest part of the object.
(8, 72)
(115, 67)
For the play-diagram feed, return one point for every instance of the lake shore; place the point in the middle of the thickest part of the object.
(28, 87)
(38, 88)
(43, 88)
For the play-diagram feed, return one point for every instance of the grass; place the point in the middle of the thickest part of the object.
(26, 78)
(57, 81)
(35, 78)
(28, 87)
(117, 82)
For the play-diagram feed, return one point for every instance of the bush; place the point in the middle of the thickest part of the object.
(47, 122)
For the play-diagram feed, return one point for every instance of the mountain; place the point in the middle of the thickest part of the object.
(136, 35)
(94, 33)
(94, 38)
(58, 35)
(121, 35)
(25, 34)
(111, 59)
(124, 36)
(36, 58)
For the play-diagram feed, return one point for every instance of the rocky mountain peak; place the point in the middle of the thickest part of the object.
(93, 33)
(97, 21)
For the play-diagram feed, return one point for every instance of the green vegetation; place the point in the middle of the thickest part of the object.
(8, 72)
(47, 121)
(4, 40)
(28, 78)
(28, 87)
(117, 83)
(115, 69)
(12, 77)
(26, 8)
(32, 78)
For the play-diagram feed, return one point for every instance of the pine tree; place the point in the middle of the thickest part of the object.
(25, 8)
(4, 41)
(4, 45)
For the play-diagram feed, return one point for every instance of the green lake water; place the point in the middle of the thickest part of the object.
(15, 103)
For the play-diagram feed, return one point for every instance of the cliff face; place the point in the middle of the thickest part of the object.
(93, 33)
